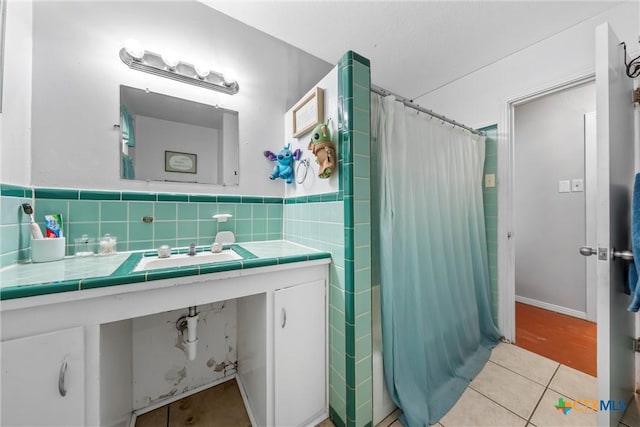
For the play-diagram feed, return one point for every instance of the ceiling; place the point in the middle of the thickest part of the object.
(416, 46)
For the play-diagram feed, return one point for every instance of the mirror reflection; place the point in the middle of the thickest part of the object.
(163, 138)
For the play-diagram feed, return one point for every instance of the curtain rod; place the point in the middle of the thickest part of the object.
(409, 103)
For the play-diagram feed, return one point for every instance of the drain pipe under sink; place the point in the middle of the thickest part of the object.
(190, 324)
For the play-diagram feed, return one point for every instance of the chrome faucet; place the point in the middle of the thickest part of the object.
(192, 249)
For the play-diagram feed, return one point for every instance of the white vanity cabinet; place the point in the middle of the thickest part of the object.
(300, 353)
(43, 379)
(281, 363)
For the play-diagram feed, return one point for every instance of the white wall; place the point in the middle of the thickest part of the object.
(116, 373)
(15, 120)
(479, 98)
(154, 136)
(77, 74)
(549, 146)
(312, 184)
(160, 366)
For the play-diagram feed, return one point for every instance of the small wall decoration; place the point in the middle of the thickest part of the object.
(284, 166)
(180, 162)
(324, 150)
(308, 112)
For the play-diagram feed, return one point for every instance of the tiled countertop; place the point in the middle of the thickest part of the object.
(75, 274)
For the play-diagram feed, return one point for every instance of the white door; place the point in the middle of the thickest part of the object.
(615, 174)
(300, 354)
(43, 380)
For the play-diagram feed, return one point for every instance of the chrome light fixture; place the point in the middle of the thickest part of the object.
(169, 66)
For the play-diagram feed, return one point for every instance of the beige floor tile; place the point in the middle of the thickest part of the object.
(473, 409)
(326, 423)
(390, 419)
(513, 391)
(528, 364)
(632, 415)
(547, 415)
(574, 384)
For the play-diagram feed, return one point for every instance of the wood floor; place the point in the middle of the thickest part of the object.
(559, 337)
(221, 406)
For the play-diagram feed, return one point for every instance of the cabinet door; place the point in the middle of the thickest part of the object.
(43, 380)
(300, 353)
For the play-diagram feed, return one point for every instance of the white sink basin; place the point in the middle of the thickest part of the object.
(182, 260)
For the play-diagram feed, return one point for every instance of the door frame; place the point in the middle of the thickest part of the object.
(506, 181)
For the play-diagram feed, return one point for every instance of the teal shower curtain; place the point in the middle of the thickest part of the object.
(437, 325)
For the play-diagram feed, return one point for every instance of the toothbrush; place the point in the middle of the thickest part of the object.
(36, 233)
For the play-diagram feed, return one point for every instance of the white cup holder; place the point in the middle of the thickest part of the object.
(45, 250)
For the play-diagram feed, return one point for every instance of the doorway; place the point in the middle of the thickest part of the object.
(554, 215)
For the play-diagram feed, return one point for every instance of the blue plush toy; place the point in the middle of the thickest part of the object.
(284, 168)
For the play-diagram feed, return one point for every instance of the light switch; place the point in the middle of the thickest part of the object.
(490, 180)
(564, 186)
(577, 185)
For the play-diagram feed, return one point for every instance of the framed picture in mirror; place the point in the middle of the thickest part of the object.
(175, 161)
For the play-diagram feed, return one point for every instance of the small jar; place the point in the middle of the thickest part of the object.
(107, 245)
(164, 251)
(85, 245)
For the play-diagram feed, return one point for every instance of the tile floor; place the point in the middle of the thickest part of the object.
(520, 388)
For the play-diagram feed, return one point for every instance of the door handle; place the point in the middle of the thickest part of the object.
(283, 317)
(587, 251)
(62, 388)
(624, 255)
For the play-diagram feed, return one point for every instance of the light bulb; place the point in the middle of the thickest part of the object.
(134, 49)
(170, 60)
(230, 77)
(202, 70)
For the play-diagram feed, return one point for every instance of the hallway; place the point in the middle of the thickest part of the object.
(565, 339)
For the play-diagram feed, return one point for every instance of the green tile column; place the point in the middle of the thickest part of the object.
(354, 126)
(490, 198)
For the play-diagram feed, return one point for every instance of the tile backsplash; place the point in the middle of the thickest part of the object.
(178, 219)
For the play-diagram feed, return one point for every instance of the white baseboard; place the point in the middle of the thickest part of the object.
(552, 307)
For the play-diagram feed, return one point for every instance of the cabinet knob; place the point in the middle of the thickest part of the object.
(62, 388)
(283, 317)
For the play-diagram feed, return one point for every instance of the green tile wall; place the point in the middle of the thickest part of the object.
(179, 219)
(354, 97)
(490, 197)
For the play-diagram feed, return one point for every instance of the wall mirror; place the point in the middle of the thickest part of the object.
(163, 138)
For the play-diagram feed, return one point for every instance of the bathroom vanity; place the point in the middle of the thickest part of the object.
(66, 352)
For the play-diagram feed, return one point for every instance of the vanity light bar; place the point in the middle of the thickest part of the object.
(184, 72)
